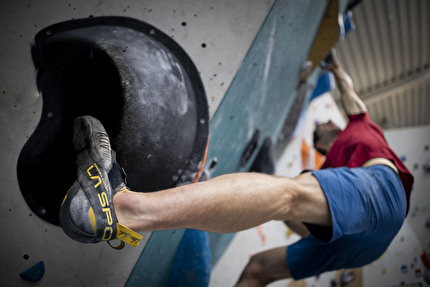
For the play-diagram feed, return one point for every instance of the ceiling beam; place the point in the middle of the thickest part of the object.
(399, 86)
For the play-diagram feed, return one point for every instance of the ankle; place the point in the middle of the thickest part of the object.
(123, 189)
(125, 207)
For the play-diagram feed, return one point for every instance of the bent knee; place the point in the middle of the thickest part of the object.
(267, 267)
(254, 268)
(307, 201)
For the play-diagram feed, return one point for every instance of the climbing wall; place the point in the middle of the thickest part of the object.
(215, 34)
(406, 262)
(251, 73)
(253, 110)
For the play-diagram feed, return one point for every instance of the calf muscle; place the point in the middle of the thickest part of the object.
(227, 203)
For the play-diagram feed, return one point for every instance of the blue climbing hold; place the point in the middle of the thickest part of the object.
(35, 273)
(325, 84)
(192, 263)
(348, 22)
(404, 269)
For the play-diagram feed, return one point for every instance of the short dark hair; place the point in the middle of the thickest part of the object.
(316, 139)
(316, 136)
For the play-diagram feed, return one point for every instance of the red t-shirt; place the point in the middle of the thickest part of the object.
(361, 141)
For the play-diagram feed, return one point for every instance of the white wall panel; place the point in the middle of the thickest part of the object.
(215, 34)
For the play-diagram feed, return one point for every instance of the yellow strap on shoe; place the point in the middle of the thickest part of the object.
(127, 235)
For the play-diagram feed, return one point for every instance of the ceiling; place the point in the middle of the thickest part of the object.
(388, 57)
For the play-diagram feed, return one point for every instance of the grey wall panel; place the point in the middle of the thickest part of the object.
(215, 34)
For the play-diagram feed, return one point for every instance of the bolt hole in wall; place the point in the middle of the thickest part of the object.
(213, 70)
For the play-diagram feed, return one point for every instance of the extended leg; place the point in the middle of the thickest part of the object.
(228, 203)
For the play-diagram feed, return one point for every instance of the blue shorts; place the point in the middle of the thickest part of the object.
(367, 205)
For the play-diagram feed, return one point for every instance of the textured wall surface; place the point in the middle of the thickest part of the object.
(215, 34)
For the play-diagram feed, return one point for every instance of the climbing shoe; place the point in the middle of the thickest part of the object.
(87, 213)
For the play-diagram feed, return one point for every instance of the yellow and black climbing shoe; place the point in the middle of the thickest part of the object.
(87, 213)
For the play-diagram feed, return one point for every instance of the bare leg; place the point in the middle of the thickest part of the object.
(265, 267)
(298, 227)
(228, 203)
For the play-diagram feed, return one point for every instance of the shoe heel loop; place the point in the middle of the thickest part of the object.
(127, 235)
